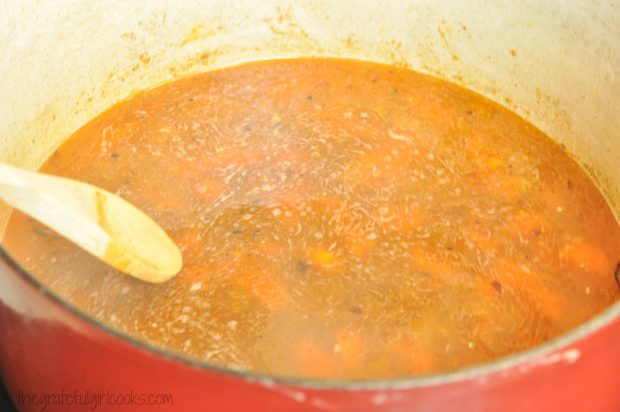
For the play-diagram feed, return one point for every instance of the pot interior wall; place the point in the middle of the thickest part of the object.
(554, 62)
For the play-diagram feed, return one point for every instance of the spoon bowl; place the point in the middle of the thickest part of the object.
(102, 223)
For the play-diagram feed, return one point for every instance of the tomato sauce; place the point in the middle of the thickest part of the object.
(337, 219)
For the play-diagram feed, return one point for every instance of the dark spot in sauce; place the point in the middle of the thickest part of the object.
(302, 266)
(356, 309)
(256, 233)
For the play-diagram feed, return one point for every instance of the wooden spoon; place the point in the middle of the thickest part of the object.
(98, 221)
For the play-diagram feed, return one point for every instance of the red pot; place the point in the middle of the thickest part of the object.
(63, 61)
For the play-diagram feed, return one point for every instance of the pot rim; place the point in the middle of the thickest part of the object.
(480, 371)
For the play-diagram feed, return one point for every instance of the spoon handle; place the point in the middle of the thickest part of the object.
(98, 221)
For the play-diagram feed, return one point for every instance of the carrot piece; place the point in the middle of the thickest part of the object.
(529, 285)
(421, 360)
(416, 356)
(273, 294)
(266, 288)
(350, 347)
(314, 361)
(586, 256)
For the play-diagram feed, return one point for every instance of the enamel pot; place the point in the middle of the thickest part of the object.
(554, 62)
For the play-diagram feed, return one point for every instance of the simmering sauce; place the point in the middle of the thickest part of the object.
(337, 219)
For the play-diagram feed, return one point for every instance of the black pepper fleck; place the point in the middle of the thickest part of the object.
(302, 266)
(356, 309)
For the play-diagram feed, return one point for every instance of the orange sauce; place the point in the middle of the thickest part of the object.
(337, 219)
